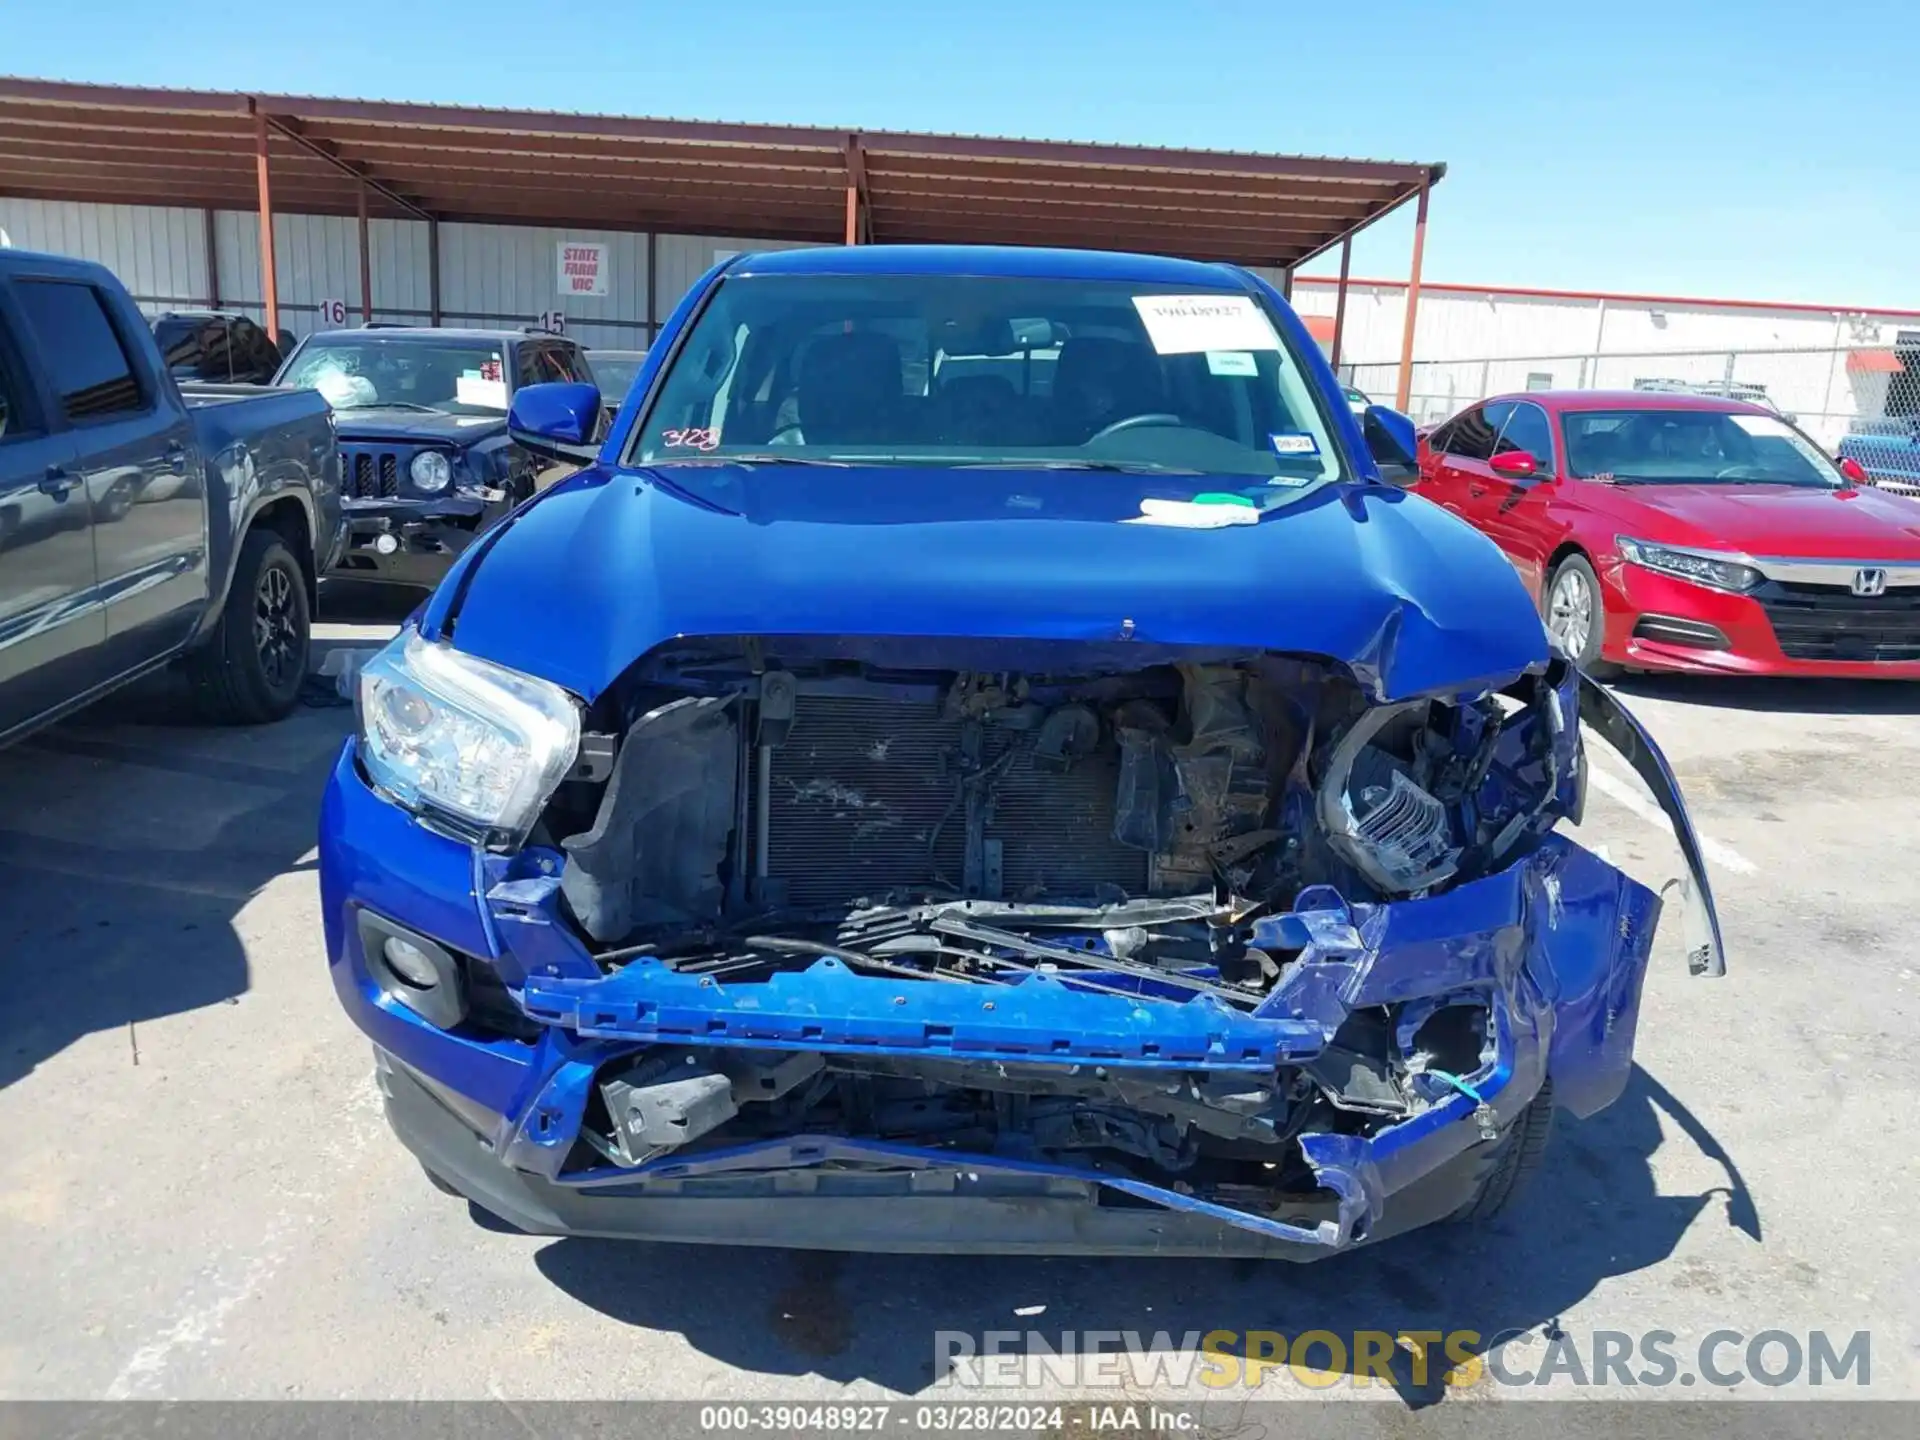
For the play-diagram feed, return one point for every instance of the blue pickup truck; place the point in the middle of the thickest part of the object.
(1888, 451)
(143, 524)
(983, 758)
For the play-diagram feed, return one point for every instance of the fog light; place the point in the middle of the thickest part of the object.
(413, 971)
(410, 963)
(385, 544)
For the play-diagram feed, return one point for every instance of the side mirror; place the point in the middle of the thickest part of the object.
(557, 421)
(1393, 444)
(1514, 464)
(1855, 472)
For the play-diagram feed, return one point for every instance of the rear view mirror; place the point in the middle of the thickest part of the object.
(1393, 444)
(1514, 464)
(558, 421)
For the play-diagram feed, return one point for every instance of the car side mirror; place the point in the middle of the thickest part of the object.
(1514, 464)
(1393, 443)
(1855, 472)
(557, 420)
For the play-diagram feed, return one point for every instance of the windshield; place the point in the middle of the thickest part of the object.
(457, 379)
(1693, 447)
(996, 371)
(613, 371)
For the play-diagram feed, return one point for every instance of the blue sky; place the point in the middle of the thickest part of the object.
(1744, 148)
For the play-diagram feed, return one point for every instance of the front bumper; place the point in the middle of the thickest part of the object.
(1642, 607)
(410, 542)
(1555, 946)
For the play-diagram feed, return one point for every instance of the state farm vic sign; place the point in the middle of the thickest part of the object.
(583, 267)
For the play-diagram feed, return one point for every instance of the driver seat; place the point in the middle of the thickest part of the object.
(1097, 381)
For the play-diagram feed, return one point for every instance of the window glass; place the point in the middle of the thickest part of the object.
(254, 358)
(959, 371)
(1474, 432)
(16, 410)
(405, 372)
(89, 364)
(1527, 429)
(1693, 447)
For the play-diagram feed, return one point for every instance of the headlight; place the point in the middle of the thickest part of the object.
(473, 744)
(430, 471)
(1720, 574)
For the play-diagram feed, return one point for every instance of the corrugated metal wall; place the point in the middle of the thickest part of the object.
(159, 254)
(490, 275)
(683, 259)
(317, 257)
(509, 275)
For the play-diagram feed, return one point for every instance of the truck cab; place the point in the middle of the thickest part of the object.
(141, 524)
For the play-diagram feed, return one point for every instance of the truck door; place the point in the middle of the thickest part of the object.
(52, 625)
(136, 446)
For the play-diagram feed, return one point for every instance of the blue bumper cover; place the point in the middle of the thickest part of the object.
(1557, 945)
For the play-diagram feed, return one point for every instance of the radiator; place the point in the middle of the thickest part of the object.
(865, 796)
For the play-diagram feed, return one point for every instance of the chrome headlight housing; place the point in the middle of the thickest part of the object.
(471, 745)
(430, 472)
(1717, 572)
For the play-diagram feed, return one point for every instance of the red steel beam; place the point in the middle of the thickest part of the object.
(269, 276)
(1340, 302)
(366, 254)
(1403, 393)
(330, 153)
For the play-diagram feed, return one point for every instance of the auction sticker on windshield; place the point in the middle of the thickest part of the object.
(1186, 324)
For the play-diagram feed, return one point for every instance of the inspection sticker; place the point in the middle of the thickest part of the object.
(1293, 444)
(1232, 362)
(1183, 324)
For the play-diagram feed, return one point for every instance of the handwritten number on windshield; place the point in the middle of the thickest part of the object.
(695, 439)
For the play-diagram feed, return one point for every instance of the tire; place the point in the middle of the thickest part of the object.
(250, 669)
(1517, 1155)
(1576, 614)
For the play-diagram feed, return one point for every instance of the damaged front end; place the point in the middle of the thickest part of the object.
(859, 943)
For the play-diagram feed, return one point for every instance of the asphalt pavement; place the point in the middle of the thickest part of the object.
(198, 1198)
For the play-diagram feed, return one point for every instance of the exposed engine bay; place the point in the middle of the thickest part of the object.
(1180, 834)
(829, 788)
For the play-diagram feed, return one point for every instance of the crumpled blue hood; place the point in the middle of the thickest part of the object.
(612, 563)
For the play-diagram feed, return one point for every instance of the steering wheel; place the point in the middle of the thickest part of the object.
(1134, 422)
(1725, 472)
(787, 435)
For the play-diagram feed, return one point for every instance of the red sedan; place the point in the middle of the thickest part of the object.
(1682, 532)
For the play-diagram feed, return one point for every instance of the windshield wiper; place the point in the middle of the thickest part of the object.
(1114, 467)
(751, 460)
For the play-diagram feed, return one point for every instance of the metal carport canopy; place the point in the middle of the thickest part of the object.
(217, 150)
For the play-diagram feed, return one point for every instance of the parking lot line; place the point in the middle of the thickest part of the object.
(1629, 797)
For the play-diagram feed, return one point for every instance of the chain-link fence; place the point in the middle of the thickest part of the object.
(1829, 393)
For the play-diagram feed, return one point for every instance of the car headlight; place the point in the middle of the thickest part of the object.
(1719, 573)
(430, 471)
(455, 738)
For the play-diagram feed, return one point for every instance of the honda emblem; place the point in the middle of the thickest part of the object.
(1869, 582)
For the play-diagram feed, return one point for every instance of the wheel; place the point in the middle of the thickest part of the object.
(1517, 1155)
(1576, 616)
(249, 671)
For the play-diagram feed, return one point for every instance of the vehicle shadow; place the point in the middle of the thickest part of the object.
(130, 840)
(1592, 1213)
(1754, 693)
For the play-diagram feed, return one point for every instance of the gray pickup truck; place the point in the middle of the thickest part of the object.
(142, 524)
